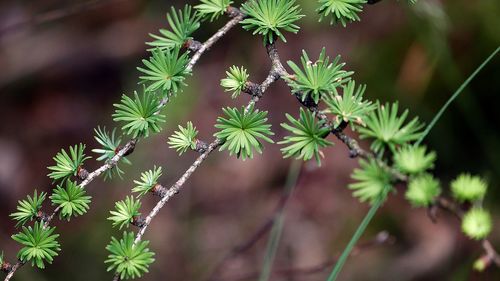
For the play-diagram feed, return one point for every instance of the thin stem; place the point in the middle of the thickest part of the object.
(455, 95)
(274, 238)
(361, 229)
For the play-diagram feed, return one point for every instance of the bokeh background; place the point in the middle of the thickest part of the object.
(64, 63)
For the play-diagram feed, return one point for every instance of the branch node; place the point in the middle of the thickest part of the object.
(82, 173)
(233, 12)
(159, 190)
(253, 89)
(192, 45)
(138, 221)
(5, 267)
(200, 146)
(42, 216)
(129, 151)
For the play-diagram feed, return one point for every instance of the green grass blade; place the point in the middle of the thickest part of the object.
(361, 229)
(275, 235)
(455, 95)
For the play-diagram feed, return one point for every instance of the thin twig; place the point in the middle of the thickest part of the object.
(175, 188)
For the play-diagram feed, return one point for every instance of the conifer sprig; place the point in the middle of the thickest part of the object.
(317, 79)
(308, 137)
(28, 209)
(242, 130)
(270, 17)
(73, 200)
(371, 180)
(40, 244)
(125, 212)
(110, 144)
(236, 80)
(148, 180)
(68, 165)
(412, 159)
(422, 190)
(139, 114)
(129, 260)
(342, 11)
(165, 71)
(349, 106)
(390, 130)
(213, 9)
(184, 138)
(467, 187)
(183, 23)
(477, 223)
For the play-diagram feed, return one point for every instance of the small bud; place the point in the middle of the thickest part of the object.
(252, 89)
(5, 267)
(82, 173)
(128, 152)
(200, 146)
(232, 11)
(353, 153)
(138, 221)
(159, 190)
(41, 216)
(192, 45)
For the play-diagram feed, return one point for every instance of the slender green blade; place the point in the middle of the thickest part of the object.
(275, 235)
(455, 95)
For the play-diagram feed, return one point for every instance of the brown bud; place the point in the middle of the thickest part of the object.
(192, 45)
(5, 267)
(253, 89)
(41, 216)
(232, 11)
(82, 173)
(138, 221)
(158, 190)
(201, 146)
(128, 152)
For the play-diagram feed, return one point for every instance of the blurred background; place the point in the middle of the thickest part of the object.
(64, 63)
